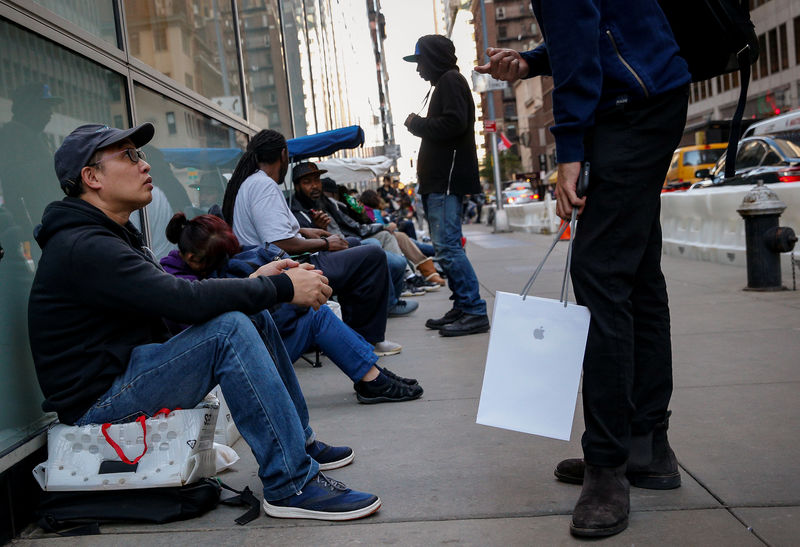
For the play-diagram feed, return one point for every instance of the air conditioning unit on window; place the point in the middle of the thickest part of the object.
(500, 13)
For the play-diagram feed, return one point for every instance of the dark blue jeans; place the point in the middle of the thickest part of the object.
(444, 218)
(346, 348)
(256, 376)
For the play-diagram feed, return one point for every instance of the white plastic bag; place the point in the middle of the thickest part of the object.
(165, 450)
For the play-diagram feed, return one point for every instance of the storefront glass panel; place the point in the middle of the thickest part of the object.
(191, 157)
(192, 42)
(45, 93)
(266, 83)
(94, 16)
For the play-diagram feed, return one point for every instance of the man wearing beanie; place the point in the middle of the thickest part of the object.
(447, 170)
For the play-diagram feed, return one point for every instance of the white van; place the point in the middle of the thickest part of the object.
(785, 126)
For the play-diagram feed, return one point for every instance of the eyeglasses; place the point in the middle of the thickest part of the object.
(134, 154)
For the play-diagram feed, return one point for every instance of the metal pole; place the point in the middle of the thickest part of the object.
(501, 220)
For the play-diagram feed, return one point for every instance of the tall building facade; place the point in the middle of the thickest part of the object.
(207, 74)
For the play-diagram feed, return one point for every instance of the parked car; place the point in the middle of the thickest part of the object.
(771, 160)
(689, 159)
(518, 197)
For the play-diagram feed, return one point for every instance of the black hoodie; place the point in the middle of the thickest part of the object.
(98, 293)
(447, 161)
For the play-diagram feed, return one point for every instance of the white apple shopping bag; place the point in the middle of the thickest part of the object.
(535, 357)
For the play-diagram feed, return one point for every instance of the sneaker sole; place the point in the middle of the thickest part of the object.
(385, 353)
(409, 295)
(463, 333)
(298, 513)
(375, 400)
(337, 464)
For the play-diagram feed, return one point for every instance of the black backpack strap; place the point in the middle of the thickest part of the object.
(744, 58)
(244, 497)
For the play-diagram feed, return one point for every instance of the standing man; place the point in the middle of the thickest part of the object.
(447, 169)
(619, 102)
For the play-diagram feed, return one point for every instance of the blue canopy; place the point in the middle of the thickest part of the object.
(203, 158)
(325, 143)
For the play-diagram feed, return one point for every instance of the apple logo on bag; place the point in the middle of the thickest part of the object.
(538, 333)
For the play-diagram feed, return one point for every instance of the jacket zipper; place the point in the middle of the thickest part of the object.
(627, 65)
(450, 174)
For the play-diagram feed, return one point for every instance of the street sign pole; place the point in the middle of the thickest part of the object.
(500, 218)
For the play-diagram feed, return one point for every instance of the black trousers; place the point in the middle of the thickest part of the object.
(358, 277)
(616, 272)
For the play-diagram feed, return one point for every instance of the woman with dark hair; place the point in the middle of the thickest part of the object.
(207, 247)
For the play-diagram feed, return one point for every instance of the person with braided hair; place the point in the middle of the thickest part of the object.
(255, 208)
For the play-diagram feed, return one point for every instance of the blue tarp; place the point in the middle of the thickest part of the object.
(325, 143)
(310, 146)
(203, 158)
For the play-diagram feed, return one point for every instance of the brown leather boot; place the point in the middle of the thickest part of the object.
(428, 271)
(602, 510)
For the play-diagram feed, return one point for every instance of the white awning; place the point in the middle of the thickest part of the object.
(353, 170)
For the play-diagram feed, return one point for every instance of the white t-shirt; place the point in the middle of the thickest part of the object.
(261, 214)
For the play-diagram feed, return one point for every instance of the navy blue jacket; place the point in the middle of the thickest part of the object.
(601, 53)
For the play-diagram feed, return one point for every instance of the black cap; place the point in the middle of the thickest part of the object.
(79, 146)
(303, 169)
(413, 58)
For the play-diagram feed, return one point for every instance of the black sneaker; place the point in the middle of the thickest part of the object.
(395, 377)
(421, 283)
(411, 289)
(449, 317)
(386, 390)
(324, 499)
(330, 457)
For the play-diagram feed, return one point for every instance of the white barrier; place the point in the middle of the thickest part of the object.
(704, 225)
(537, 217)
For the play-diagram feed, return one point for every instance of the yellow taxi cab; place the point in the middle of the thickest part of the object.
(688, 159)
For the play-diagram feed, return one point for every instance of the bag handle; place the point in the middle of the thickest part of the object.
(116, 447)
(583, 183)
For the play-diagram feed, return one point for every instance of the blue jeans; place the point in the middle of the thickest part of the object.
(425, 248)
(256, 376)
(346, 348)
(397, 267)
(444, 218)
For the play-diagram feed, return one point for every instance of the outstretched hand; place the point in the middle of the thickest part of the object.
(504, 64)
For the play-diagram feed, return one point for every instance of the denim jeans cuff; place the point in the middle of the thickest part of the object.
(310, 435)
(289, 489)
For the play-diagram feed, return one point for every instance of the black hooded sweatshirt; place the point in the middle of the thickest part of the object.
(447, 161)
(98, 293)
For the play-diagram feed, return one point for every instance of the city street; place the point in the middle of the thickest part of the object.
(445, 479)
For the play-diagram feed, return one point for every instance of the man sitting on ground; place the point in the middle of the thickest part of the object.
(258, 213)
(103, 353)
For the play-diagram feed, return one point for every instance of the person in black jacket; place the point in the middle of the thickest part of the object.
(447, 169)
(102, 350)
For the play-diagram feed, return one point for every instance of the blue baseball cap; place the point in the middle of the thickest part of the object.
(413, 58)
(80, 145)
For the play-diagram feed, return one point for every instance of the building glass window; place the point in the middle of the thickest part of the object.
(95, 16)
(187, 175)
(762, 58)
(43, 97)
(783, 46)
(774, 66)
(190, 38)
(267, 95)
(797, 40)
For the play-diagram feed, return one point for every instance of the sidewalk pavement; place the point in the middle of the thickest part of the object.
(445, 479)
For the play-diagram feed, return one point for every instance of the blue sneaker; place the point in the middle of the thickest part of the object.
(330, 457)
(324, 499)
(403, 307)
